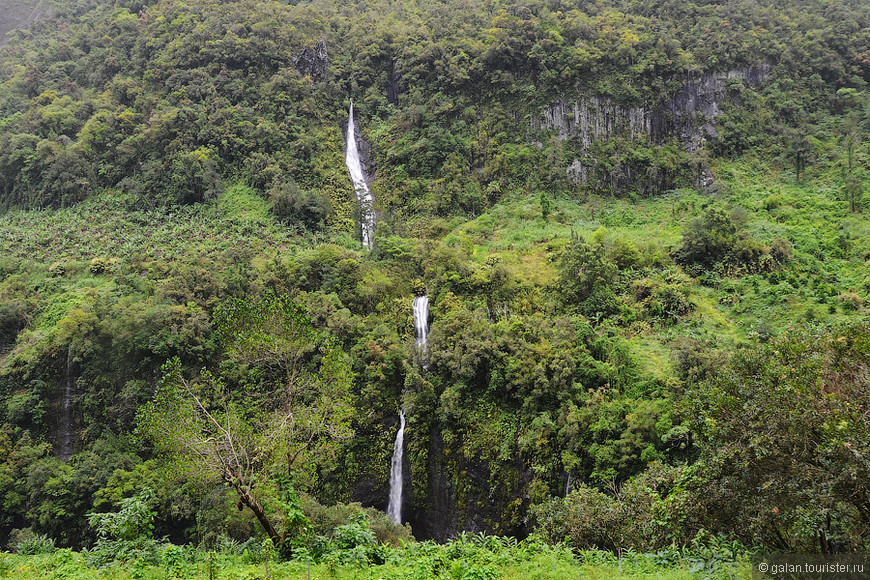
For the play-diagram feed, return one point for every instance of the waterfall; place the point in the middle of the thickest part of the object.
(568, 484)
(66, 431)
(421, 322)
(420, 307)
(394, 506)
(360, 187)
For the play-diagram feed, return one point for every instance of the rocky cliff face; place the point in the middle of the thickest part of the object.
(433, 514)
(685, 118)
(20, 14)
(690, 113)
(312, 61)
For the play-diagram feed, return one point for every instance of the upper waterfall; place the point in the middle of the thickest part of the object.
(360, 186)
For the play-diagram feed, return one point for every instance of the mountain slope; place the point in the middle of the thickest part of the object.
(610, 206)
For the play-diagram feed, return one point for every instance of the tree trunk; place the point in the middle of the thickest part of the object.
(253, 504)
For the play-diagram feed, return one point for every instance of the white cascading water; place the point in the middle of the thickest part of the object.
(394, 505)
(420, 307)
(421, 322)
(360, 187)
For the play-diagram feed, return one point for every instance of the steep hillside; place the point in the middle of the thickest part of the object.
(19, 14)
(630, 220)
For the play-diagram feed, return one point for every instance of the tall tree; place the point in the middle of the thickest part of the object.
(785, 430)
(255, 442)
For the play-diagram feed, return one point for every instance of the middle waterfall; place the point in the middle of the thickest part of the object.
(421, 323)
(360, 186)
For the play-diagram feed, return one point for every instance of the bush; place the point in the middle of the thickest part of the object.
(324, 520)
(783, 436)
(587, 518)
(602, 303)
(671, 302)
(707, 239)
(126, 533)
(98, 265)
(624, 253)
(57, 270)
(851, 301)
(192, 177)
(781, 250)
(584, 268)
(26, 543)
(13, 319)
(291, 204)
(748, 252)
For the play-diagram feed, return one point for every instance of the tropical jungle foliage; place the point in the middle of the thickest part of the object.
(640, 226)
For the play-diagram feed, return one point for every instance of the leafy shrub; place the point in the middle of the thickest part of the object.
(851, 300)
(696, 361)
(13, 318)
(192, 177)
(30, 544)
(773, 201)
(98, 265)
(765, 426)
(670, 302)
(748, 252)
(781, 250)
(126, 533)
(324, 520)
(592, 519)
(707, 239)
(353, 542)
(292, 204)
(624, 253)
(664, 301)
(57, 270)
(584, 268)
(353, 534)
(601, 303)
(173, 560)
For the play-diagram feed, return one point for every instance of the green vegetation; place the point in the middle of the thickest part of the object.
(470, 557)
(641, 229)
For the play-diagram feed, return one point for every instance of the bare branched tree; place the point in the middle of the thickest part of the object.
(255, 444)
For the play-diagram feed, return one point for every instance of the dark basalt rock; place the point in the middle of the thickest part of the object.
(435, 515)
(312, 62)
(687, 118)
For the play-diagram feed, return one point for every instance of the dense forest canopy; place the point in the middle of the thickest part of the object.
(639, 225)
(166, 100)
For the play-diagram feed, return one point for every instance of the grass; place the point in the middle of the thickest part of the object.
(71, 565)
(831, 247)
(112, 225)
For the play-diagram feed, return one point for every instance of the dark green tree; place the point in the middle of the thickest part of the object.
(799, 150)
(786, 442)
(854, 188)
(545, 205)
(255, 444)
(707, 239)
(582, 268)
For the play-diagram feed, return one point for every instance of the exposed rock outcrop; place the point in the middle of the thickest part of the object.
(686, 117)
(313, 62)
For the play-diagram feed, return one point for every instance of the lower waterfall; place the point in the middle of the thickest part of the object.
(394, 506)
